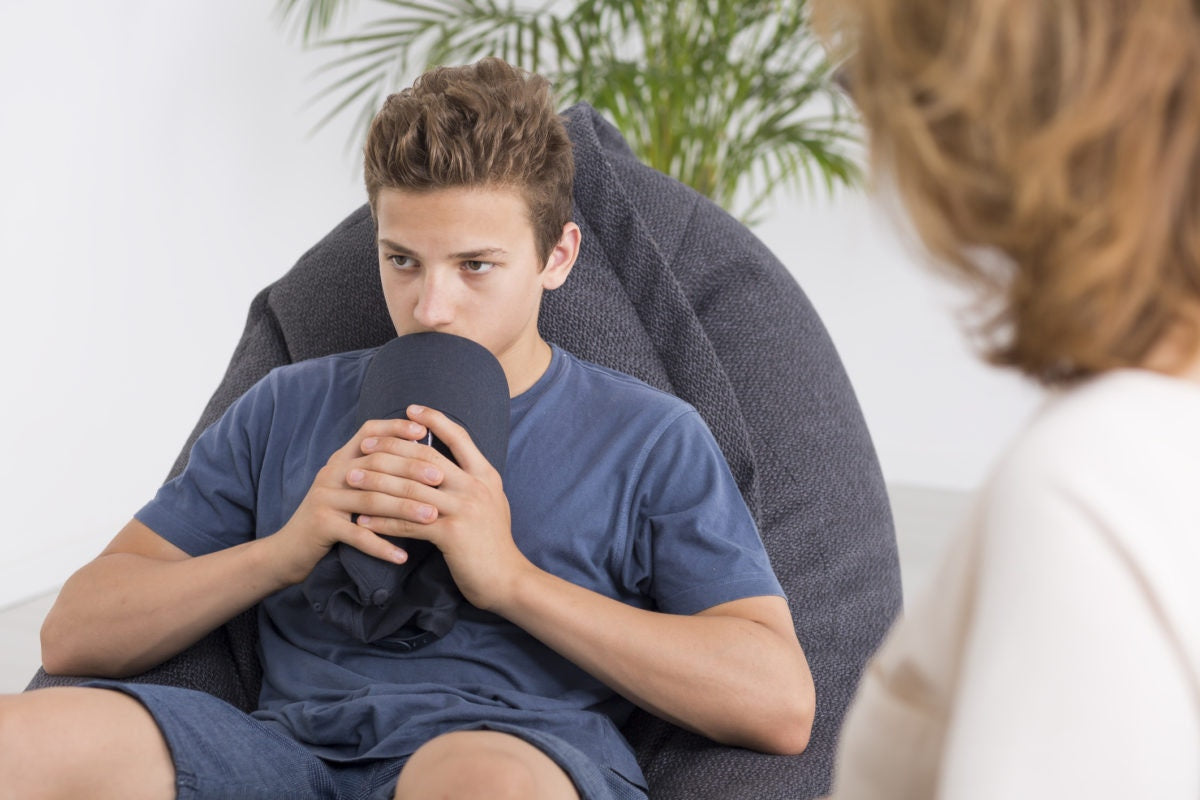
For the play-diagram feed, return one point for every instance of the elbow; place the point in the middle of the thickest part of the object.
(63, 652)
(76, 662)
(785, 724)
(791, 727)
(791, 740)
(60, 651)
(64, 660)
(60, 636)
(56, 656)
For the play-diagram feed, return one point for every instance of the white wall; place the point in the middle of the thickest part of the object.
(156, 171)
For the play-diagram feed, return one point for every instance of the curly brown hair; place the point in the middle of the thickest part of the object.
(1061, 136)
(486, 124)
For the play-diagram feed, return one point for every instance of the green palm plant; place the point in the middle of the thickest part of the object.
(732, 97)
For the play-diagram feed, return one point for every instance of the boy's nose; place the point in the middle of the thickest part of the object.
(435, 306)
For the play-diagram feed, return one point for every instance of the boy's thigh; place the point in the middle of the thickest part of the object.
(483, 763)
(78, 742)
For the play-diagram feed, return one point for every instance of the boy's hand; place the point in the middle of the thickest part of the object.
(397, 487)
(472, 524)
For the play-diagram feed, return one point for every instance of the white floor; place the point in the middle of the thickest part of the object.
(924, 520)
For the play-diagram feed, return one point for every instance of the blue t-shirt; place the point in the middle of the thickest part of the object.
(612, 485)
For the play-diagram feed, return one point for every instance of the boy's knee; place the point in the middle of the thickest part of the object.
(454, 767)
(15, 729)
(81, 743)
(19, 745)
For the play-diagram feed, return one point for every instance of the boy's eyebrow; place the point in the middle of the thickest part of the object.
(467, 255)
(483, 252)
(389, 244)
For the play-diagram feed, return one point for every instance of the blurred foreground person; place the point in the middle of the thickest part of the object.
(1047, 153)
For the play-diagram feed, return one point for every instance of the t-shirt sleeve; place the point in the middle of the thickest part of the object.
(696, 542)
(211, 504)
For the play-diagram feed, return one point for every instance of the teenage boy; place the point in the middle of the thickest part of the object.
(615, 564)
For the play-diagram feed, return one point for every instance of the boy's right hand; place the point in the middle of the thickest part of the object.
(327, 513)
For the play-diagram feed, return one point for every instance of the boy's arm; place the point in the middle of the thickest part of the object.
(735, 672)
(143, 599)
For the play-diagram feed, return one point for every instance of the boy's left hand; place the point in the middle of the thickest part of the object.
(472, 526)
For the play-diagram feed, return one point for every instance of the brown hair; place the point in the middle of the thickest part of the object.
(486, 124)
(1063, 136)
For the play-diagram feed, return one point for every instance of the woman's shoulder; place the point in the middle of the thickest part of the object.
(1123, 429)
(1108, 468)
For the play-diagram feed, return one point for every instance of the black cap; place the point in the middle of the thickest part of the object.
(447, 373)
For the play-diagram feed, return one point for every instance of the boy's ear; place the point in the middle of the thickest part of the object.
(562, 257)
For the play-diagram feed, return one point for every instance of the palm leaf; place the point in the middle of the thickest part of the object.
(315, 16)
(733, 97)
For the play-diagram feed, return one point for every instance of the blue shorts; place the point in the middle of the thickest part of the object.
(222, 753)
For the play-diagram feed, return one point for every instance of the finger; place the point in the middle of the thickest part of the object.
(399, 428)
(416, 465)
(391, 526)
(389, 487)
(385, 454)
(453, 436)
(378, 428)
(349, 504)
(363, 538)
(378, 504)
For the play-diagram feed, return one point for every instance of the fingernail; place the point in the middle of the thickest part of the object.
(355, 476)
(431, 474)
(416, 409)
(364, 521)
(370, 444)
(425, 512)
(399, 556)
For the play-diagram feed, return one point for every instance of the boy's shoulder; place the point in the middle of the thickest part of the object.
(583, 393)
(302, 387)
(332, 368)
(613, 386)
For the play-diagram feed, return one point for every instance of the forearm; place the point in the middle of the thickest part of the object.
(124, 613)
(144, 599)
(732, 679)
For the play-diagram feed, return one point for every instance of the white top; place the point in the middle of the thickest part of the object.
(1056, 654)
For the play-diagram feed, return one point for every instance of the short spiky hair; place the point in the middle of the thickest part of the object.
(484, 124)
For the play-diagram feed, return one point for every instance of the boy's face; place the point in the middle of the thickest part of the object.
(463, 261)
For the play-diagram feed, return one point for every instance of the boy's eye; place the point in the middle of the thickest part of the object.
(401, 262)
(478, 267)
